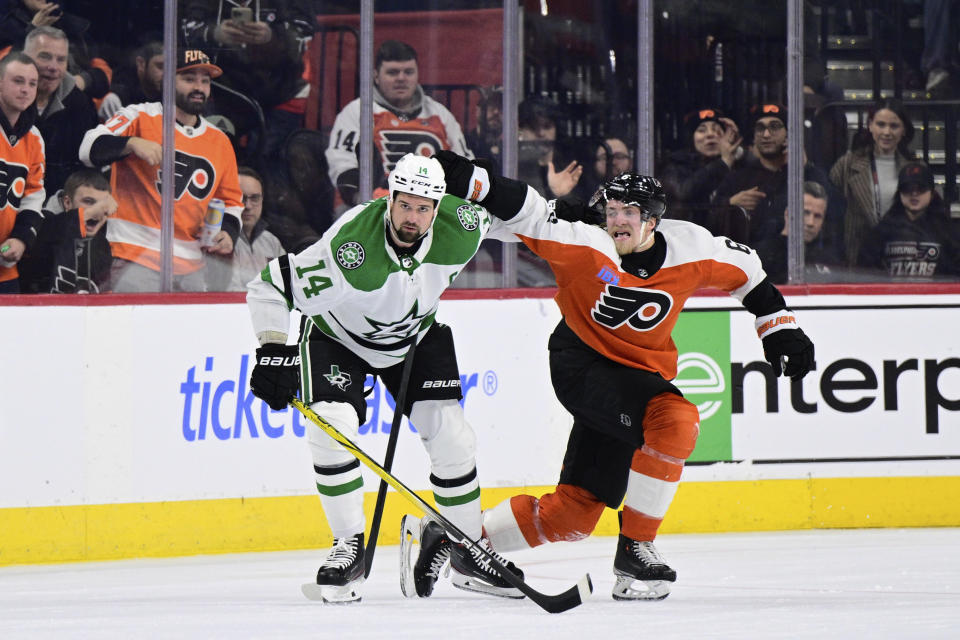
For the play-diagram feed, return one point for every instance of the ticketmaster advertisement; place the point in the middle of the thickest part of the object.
(145, 403)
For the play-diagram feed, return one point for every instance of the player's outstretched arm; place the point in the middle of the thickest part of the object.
(503, 197)
(785, 346)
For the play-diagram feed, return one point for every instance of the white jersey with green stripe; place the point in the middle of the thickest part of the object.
(352, 285)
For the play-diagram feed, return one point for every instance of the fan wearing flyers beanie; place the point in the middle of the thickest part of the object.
(691, 175)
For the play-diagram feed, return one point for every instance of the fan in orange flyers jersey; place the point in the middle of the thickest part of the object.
(205, 168)
(21, 165)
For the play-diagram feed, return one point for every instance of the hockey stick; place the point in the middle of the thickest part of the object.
(388, 460)
(569, 599)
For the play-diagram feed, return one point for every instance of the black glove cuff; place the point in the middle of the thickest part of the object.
(273, 350)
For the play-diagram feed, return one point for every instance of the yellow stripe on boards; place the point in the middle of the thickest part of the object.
(162, 529)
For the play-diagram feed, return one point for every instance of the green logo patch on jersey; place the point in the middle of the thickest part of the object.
(469, 219)
(350, 255)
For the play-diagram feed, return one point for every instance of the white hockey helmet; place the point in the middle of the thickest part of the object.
(418, 175)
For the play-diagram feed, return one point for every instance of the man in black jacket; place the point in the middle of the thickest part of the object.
(65, 112)
(822, 258)
(259, 44)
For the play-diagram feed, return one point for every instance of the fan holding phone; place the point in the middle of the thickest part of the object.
(259, 44)
(243, 28)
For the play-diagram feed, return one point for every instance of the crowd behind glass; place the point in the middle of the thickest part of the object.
(873, 211)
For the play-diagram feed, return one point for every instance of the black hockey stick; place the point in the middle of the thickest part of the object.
(569, 599)
(388, 460)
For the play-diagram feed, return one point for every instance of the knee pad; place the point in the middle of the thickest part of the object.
(671, 425)
(447, 437)
(326, 451)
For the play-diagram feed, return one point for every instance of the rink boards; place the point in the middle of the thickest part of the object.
(129, 430)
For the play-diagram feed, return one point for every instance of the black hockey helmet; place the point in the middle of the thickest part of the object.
(644, 192)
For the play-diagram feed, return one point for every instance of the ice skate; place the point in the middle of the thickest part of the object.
(341, 574)
(472, 572)
(419, 574)
(641, 572)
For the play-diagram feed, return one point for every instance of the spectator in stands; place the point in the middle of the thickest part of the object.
(540, 153)
(261, 52)
(206, 169)
(486, 138)
(760, 185)
(143, 82)
(824, 127)
(690, 176)
(916, 240)
(255, 245)
(405, 120)
(821, 260)
(611, 158)
(19, 17)
(939, 59)
(866, 175)
(21, 165)
(73, 242)
(64, 111)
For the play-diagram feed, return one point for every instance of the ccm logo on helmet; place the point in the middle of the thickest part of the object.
(279, 361)
(440, 384)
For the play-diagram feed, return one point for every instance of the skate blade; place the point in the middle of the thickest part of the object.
(331, 594)
(409, 534)
(475, 585)
(627, 588)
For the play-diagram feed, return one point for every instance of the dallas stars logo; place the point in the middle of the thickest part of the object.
(338, 379)
(469, 219)
(389, 336)
(399, 329)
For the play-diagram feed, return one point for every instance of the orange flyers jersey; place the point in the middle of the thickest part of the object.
(205, 168)
(622, 316)
(21, 183)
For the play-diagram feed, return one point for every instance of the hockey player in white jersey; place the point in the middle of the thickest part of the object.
(368, 289)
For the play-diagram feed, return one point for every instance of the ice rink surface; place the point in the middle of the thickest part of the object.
(878, 583)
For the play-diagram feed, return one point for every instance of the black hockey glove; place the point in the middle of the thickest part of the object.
(458, 172)
(276, 375)
(573, 209)
(785, 346)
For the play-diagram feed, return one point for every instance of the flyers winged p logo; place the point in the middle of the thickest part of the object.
(192, 174)
(394, 144)
(13, 183)
(641, 309)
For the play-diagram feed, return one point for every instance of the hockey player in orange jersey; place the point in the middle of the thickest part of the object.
(623, 276)
(205, 168)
